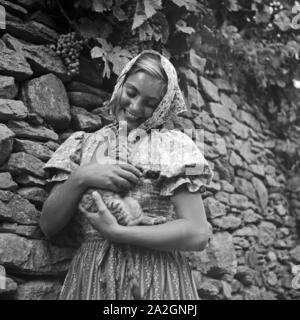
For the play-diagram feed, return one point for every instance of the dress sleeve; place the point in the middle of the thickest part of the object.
(182, 163)
(65, 159)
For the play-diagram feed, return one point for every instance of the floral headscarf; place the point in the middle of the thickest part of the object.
(172, 102)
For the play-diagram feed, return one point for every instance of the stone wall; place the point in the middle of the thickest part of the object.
(252, 208)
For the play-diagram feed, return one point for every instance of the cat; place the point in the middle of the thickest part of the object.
(125, 209)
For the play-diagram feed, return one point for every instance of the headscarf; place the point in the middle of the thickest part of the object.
(172, 101)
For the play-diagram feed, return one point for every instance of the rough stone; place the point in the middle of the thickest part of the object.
(267, 233)
(194, 98)
(245, 187)
(245, 151)
(27, 3)
(36, 149)
(6, 182)
(280, 209)
(33, 256)
(214, 208)
(84, 120)
(250, 231)
(41, 59)
(251, 217)
(262, 192)
(31, 31)
(8, 286)
(24, 163)
(295, 254)
(238, 201)
(224, 85)
(19, 210)
(6, 142)
(76, 86)
(230, 222)
(85, 100)
(240, 130)
(6, 196)
(189, 76)
(47, 97)
(229, 103)
(51, 145)
(34, 194)
(220, 145)
(219, 257)
(245, 275)
(226, 186)
(39, 290)
(14, 64)
(235, 160)
(209, 90)
(23, 130)
(249, 119)
(210, 152)
(222, 197)
(220, 111)
(208, 289)
(12, 110)
(257, 170)
(26, 180)
(241, 242)
(204, 121)
(8, 87)
(28, 231)
(14, 8)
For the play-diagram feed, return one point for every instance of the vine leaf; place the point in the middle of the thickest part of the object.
(119, 13)
(282, 21)
(190, 5)
(151, 6)
(263, 15)
(117, 56)
(161, 27)
(182, 27)
(145, 31)
(145, 9)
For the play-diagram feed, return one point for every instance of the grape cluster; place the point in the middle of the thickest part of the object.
(276, 6)
(132, 44)
(69, 47)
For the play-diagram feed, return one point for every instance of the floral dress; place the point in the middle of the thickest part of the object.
(99, 269)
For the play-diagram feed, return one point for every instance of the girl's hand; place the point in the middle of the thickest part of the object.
(114, 177)
(102, 220)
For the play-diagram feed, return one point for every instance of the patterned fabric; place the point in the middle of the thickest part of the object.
(172, 102)
(99, 270)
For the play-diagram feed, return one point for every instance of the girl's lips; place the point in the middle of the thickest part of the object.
(132, 115)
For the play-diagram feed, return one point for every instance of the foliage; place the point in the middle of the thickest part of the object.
(253, 42)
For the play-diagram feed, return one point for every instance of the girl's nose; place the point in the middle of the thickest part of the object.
(136, 105)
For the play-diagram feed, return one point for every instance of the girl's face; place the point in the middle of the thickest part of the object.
(141, 94)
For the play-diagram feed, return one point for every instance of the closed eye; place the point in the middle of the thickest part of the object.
(131, 93)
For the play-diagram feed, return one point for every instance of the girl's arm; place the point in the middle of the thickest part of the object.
(190, 232)
(63, 200)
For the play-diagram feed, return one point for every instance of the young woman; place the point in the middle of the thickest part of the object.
(145, 96)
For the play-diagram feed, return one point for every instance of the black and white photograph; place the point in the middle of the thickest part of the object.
(150, 151)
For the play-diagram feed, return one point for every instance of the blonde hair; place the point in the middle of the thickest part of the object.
(149, 63)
